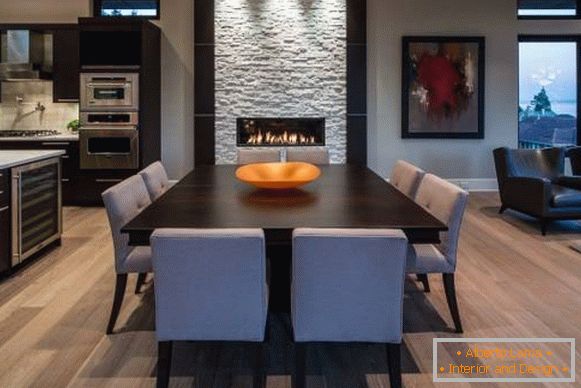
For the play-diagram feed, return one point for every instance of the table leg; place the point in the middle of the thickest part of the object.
(280, 258)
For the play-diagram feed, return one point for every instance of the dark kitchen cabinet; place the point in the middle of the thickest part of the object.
(5, 220)
(69, 162)
(65, 56)
(85, 188)
(79, 187)
(66, 65)
(93, 183)
(125, 45)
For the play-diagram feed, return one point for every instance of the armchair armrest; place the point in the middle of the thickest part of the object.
(528, 194)
(572, 182)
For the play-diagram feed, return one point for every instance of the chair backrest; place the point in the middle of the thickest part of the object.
(406, 177)
(574, 155)
(210, 285)
(347, 285)
(446, 202)
(318, 156)
(258, 156)
(123, 202)
(543, 163)
(156, 180)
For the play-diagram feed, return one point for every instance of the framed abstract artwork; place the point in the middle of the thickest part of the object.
(443, 87)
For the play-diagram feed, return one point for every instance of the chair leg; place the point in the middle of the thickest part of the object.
(422, 277)
(502, 209)
(450, 289)
(259, 373)
(141, 278)
(164, 363)
(394, 364)
(544, 225)
(299, 376)
(120, 285)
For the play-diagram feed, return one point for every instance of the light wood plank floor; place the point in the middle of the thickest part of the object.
(512, 282)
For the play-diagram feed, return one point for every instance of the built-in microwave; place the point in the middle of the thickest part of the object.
(109, 92)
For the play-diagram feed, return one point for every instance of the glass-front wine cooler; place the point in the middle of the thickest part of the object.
(36, 208)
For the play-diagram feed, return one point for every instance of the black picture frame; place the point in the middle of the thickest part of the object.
(406, 76)
(98, 5)
(577, 15)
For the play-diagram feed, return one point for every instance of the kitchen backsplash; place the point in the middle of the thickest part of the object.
(23, 116)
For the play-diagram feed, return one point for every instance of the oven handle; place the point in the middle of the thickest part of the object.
(99, 67)
(108, 128)
(109, 85)
(55, 143)
(109, 125)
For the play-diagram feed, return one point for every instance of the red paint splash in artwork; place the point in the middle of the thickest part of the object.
(440, 77)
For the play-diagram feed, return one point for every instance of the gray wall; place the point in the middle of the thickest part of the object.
(388, 21)
(177, 86)
(177, 23)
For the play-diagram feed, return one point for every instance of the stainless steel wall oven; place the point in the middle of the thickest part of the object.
(109, 149)
(109, 132)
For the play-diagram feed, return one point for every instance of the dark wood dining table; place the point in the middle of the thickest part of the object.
(345, 196)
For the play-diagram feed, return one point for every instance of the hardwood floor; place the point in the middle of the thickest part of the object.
(511, 282)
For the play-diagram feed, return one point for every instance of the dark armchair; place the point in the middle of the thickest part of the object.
(574, 155)
(532, 182)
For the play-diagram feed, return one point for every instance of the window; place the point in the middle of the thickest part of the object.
(127, 8)
(548, 91)
(548, 8)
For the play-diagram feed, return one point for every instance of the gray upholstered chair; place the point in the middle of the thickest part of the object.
(258, 156)
(156, 180)
(347, 286)
(124, 202)
(406, 178)
(446, 202)
(210, 285)
(310, 155)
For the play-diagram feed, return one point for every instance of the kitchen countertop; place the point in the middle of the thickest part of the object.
(62, 137)
(17, 158)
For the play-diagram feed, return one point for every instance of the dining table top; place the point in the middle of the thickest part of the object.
(344, 196)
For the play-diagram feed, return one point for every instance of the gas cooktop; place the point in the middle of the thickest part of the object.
(28, 133)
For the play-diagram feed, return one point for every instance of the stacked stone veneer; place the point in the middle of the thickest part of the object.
(281, 58)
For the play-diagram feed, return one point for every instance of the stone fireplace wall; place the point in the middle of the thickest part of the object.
(280, 59)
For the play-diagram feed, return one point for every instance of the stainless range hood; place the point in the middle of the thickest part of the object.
(26, 55)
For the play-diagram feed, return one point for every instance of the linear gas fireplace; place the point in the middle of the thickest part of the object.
(267, 132)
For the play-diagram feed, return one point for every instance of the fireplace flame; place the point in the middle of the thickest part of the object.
(284, 138)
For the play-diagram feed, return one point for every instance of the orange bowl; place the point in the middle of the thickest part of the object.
(278, 175)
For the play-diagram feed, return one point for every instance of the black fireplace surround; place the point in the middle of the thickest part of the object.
(280, 132)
